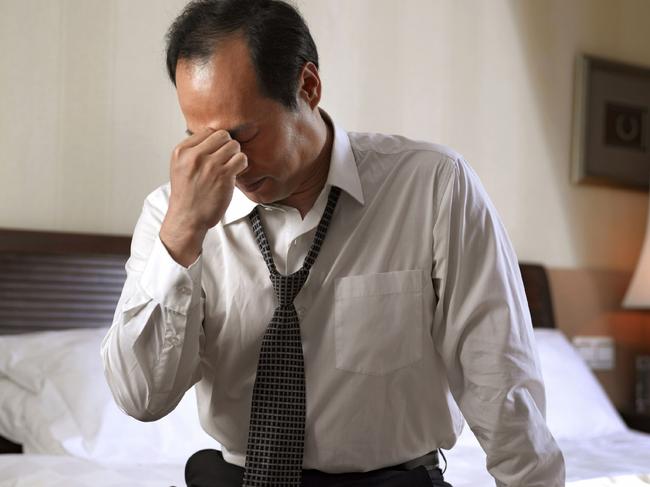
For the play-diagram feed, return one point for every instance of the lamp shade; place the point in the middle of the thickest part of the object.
(638, 292)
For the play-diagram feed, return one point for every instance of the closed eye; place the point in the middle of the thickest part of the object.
(247, 140)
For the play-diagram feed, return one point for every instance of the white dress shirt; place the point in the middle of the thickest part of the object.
(413, 312)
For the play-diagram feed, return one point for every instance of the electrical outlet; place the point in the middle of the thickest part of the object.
(597, 351)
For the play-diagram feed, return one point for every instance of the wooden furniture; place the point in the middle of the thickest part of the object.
(56, 280)
(636, 421)
(7, 446)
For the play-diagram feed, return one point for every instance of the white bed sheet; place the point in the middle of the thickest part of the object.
(34, 470)
(617, 459)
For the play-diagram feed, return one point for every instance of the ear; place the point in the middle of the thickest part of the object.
(309, 85)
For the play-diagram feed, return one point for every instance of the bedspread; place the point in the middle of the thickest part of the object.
(65, 471)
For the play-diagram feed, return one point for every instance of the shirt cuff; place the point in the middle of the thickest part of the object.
(169, 283)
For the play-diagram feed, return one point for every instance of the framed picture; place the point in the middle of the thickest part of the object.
(611, 129)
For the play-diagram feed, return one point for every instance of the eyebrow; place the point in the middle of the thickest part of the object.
(233, 132)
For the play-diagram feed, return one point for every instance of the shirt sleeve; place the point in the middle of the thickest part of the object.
(483, 331)
(151, 352)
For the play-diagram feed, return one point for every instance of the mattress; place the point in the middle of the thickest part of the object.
(621, 459)
(65, 471)
(617, 459)
(60, 404)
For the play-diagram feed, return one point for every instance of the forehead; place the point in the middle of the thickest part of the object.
(222, 91)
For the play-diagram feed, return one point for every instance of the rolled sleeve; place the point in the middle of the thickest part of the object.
(483, 331)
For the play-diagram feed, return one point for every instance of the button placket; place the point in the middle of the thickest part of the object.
(290, 252)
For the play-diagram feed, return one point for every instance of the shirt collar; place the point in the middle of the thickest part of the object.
(343, 173)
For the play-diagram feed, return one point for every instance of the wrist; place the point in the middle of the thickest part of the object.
(184, 245)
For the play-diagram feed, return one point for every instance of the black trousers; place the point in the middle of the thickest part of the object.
(207, 468)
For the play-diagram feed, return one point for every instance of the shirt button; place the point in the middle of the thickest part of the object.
(185, 290)
(295, 242)
(301, 311)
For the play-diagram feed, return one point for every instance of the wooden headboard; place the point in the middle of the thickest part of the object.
(56, 280)
(538, 293)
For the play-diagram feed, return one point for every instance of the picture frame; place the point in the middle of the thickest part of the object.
(611, 125)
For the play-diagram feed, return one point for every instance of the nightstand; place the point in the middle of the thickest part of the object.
(636, 421)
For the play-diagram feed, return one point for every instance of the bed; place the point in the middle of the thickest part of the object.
(60, 427)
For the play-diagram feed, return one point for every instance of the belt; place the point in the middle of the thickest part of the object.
(430, 461)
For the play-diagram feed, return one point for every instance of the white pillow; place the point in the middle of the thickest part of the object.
(577, 407)
(68, 407)
(12, 407)
(576, 404)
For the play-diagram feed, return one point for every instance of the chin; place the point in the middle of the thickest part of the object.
(257, 198)
(266, 194)
(259, 195)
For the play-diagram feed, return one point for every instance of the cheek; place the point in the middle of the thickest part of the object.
(271, 155)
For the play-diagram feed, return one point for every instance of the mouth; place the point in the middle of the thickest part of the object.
(252, 185)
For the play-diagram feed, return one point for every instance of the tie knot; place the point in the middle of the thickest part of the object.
(287, 287)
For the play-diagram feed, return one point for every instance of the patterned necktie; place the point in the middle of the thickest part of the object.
(276, 437)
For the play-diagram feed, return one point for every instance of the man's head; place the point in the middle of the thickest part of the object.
(251, 67)
(278, 39)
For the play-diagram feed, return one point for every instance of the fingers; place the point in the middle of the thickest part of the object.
(206, 141)
(237, 163)
(212, 150)
(214, 141)
(226, 161)
(226, 151)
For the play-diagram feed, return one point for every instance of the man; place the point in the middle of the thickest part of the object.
(335, 297)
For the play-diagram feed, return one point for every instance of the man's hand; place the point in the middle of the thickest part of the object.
(202, 175)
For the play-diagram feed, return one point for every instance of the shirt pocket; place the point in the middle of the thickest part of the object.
(378, 321)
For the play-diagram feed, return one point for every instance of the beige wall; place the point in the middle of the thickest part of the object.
(88, 118)
(494, 79)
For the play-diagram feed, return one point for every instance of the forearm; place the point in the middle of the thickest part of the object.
(151, 352)
(511, 429)
(483, 331)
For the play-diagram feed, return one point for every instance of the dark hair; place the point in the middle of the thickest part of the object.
(278, 40)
